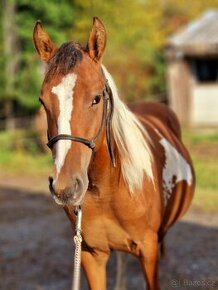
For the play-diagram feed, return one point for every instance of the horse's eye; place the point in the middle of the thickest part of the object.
(96, 100)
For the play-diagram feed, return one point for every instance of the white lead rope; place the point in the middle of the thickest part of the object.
(77, 254)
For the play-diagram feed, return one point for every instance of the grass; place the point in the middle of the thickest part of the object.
(20, 155)
(203, 136)
(203, 147)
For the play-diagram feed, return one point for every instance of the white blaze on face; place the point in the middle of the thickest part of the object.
(176, 169)
(64, 93)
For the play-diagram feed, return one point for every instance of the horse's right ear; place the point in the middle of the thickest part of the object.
(43, 43)
(97, 40)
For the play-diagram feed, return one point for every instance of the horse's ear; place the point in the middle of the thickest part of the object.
(43, 43)
(97, 40)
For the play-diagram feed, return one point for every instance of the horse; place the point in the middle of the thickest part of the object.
(130, 172)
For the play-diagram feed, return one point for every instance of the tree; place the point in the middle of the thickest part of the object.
(12, 56)
(22, 72)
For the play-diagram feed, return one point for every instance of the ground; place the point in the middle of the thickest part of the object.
(36, 247)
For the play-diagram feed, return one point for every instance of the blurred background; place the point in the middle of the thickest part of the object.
(160, 50)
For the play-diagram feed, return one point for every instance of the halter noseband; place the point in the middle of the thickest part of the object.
(106, 117)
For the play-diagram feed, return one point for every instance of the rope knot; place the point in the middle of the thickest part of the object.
(77, 238)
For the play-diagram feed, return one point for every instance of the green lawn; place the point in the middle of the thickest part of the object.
(20, 155)
(203, 146)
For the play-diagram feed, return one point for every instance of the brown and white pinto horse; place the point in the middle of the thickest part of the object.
(131, 173)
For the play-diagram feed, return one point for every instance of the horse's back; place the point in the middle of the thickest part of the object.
(158, 111)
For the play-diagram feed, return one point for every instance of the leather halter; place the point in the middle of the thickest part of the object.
(106, 118)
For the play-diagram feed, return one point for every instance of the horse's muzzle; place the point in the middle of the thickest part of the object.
(70, 195)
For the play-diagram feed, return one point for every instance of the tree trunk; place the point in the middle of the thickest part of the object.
(11, 55)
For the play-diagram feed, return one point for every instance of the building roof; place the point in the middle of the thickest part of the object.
(199, 37)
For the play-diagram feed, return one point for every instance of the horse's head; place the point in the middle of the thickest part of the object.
(77, 102)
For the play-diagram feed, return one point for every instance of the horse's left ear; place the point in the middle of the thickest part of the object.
(97, 40)
(43, 43)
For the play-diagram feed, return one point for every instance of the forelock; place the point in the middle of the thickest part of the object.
(65, 59)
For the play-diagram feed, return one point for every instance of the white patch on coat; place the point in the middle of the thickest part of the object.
(132, 140)
(176, 169)
(64, 93)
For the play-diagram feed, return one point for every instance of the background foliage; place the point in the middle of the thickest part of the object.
(137, 33)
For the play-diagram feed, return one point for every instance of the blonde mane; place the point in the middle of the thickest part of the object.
(131, 140)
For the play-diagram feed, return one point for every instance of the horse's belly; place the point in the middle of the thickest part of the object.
(177, 204)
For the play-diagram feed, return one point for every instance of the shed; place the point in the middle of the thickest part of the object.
(192, 71)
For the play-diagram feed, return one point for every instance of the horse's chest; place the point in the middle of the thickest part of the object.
(110, 235)
(175, 169)
(103, 233)
(108, 228)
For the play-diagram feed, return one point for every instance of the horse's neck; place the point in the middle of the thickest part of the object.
(103, 176)
(109, 190)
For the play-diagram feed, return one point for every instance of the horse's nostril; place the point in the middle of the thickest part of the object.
(76, 185)
(50, 180)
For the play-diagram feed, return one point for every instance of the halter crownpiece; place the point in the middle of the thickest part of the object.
(106, 117)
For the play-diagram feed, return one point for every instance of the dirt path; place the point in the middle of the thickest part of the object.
(36, 246)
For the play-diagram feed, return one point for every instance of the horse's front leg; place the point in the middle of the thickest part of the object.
(94, 265)
(149, 261)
